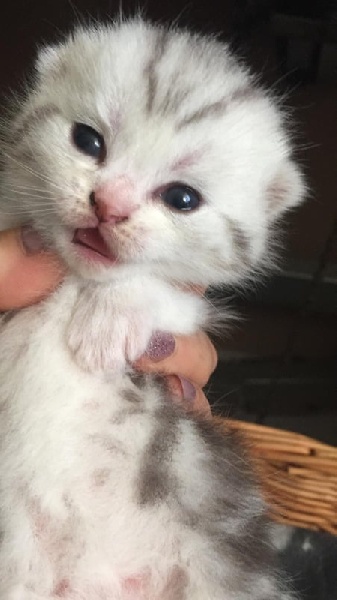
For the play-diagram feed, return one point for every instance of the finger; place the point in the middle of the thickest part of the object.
(193, 357)
(27, 273)
(189, 396)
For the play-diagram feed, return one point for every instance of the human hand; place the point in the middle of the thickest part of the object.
(186, 362)
(28, 273)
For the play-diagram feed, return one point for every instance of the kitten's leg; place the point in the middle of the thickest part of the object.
(100, 326)
(111, 325)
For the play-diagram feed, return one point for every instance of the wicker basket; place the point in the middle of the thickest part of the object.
(298, 475)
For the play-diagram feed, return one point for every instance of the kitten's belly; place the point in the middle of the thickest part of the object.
(50, 408)
(68, 467)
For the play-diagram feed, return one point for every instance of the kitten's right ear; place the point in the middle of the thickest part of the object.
(48, 60)
(286, 190)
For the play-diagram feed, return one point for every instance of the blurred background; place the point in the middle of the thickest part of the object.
(278, 365)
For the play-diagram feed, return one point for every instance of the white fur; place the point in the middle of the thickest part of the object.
(56, 431)
(57, 413)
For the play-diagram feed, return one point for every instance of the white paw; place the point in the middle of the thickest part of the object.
(96, 348)
(139, 331)
(105, 338)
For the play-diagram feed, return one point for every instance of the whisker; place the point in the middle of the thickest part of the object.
(26, 203)
(28, 188)
(28, 206)
(32, 171)
(25, 195)
(29, 201)
(24, 212)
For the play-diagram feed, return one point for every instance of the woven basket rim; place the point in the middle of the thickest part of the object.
(297, 473)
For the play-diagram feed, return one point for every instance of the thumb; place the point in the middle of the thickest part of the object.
(27, 271)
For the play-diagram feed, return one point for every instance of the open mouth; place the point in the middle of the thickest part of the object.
(92, 245)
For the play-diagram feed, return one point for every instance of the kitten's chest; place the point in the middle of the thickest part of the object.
(60, 425)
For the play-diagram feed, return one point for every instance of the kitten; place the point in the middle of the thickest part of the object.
(149, 159)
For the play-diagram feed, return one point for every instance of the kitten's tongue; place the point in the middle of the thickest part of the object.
(91, 238)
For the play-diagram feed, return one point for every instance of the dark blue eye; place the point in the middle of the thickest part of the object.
(181, 197)
(89, 141)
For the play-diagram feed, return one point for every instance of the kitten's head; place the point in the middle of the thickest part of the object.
(147, 148)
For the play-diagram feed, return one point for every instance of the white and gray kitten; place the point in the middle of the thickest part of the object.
(149, 159)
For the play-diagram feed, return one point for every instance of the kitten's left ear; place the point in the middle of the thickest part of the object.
(286, 190)
(48, 60)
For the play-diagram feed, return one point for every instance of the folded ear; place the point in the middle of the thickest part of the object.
(286, 190)
(48, 60)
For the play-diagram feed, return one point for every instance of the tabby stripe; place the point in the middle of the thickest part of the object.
(162, 40)
(218, 108)
(240, 239)
(40, 113)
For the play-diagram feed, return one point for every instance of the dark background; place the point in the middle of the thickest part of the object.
(278, 365)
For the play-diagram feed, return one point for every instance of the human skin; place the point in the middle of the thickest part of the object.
(28, 273)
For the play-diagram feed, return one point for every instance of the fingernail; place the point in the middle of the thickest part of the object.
(31, 240)
(189, 391)
(161, 346)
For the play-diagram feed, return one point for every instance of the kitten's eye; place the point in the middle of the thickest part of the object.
(181, 197)
(89, 141)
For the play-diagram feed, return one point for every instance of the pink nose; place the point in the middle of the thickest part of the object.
(114, 201)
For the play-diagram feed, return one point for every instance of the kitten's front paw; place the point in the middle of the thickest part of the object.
(104, 338)
(96, 348)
